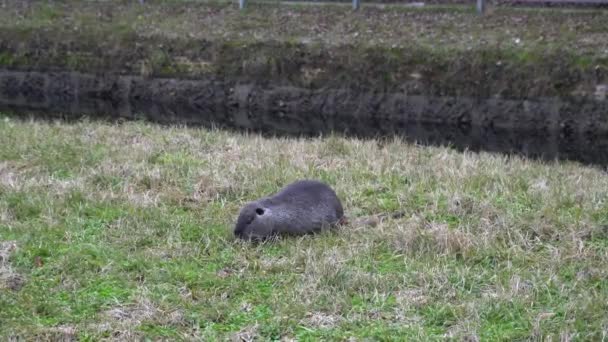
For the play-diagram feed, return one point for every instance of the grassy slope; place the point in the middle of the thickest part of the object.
(449, 27)
(122, 231)
(299, 44)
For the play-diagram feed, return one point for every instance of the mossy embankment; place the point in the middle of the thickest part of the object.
(434, 51)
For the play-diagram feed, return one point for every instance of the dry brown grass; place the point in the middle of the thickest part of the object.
(9, 279)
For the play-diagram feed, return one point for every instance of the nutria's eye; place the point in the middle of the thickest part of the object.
(259, 211)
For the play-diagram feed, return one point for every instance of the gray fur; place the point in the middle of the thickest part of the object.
(302, 207)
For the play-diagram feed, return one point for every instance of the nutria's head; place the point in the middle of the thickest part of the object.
(254, 222)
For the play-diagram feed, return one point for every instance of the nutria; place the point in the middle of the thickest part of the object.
(302, 207)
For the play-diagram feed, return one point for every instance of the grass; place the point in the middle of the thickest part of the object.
(446, 27)
(515, 53)
(122, 231)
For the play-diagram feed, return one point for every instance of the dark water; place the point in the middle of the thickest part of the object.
(549, 129)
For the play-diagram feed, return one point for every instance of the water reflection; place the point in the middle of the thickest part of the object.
(545, 128)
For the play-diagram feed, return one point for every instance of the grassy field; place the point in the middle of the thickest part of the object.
(123, 231)
(437, 27)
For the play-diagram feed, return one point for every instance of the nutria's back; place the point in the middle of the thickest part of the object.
(302, 207)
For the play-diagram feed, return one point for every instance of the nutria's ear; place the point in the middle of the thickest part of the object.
(260, 211)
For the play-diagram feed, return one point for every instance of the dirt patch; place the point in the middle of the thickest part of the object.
(134, 315)
(8, 178)
(247, 334)
(412, 297)
(321, 320)
(9, 279)
(122, 321)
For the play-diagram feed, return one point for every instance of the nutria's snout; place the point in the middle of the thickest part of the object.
(238, 233)
(301, 207)
(250, 222)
